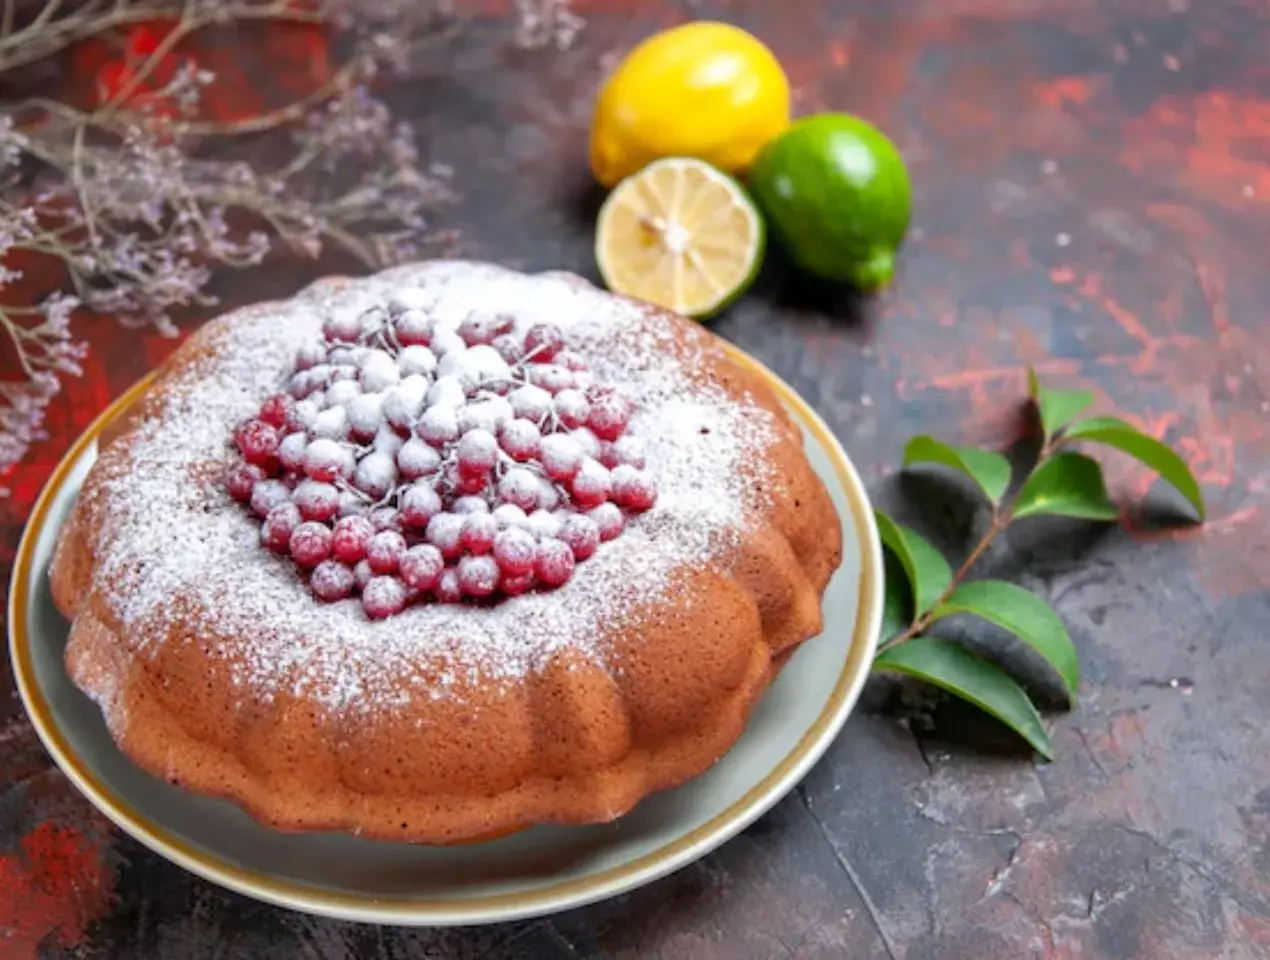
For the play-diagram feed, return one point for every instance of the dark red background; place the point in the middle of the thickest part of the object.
(1092, 196)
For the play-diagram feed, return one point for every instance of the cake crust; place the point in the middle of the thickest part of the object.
(217, 671)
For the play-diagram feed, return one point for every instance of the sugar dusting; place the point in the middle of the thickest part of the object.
(174, 544)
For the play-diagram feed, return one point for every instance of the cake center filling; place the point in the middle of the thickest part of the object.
(404, 462)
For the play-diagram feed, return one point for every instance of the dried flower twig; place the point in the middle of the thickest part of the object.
(126, 200)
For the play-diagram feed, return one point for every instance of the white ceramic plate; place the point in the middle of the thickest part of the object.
(536, 871)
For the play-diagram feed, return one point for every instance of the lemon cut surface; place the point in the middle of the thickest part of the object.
(681, 235)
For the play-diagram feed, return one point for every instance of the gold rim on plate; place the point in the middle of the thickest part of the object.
(473, 909)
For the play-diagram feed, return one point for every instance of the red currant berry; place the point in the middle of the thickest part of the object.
(448, 588)
(342, 328)
(610, 414)
(383, 597)
(375, 475)
(561, 457)
(477, 328)
(633, 488)
(384, 551)
(509, 515)
(444, 532)
(478, 576)
(544, 525)
(298, 418)
(553, 562)
(607, 456)
(608, 518)
(386, 518)
(343, 391)
(421, 567)
(515, 586)
(417, 459)
(325, 460)
(413, 328)
(419, 504)
(365, 416)
(592, 485)
(573, 408)
(317, 501)
(515, 550)
(258, 442)
(543, 341)
(310, 355)
(378, 371)
(275, 532)
(242, 479)
(349, 538)
(416, 360)
(332, 581)
(479, 531)
(581, 533)
(508, 347)
(587, 441)
(477, 452)
(551, 377)
(438, 425)
(548, 494)
(268, 494)
(310, 543)
(275, 409)
(292, 450)
(532, 403)
(519, 487)
(520, 439)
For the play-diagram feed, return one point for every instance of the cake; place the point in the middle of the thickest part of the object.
(607, 637)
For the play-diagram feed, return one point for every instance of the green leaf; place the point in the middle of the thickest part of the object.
(1159, 457)
(990, 471)
(960, 672)
(927, 570)
(1056, 407)
(897, 604)
(1026, 616)
(1068, 485)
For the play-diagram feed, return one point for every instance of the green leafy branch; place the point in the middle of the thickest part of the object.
(922, 589)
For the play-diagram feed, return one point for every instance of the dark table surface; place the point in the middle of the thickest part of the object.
(1092, 196)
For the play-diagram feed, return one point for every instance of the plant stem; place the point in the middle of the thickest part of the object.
(921, 622)
(1000, 520)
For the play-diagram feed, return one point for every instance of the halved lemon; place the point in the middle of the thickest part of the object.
(681, 235)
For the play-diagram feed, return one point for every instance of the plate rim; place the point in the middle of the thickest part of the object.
(676, 853)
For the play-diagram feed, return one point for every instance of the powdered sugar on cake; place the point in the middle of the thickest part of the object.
(173, 543)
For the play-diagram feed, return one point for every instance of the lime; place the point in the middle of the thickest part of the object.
(679, 234)
(837, 195)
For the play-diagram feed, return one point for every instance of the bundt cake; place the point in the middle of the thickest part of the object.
(441, 553)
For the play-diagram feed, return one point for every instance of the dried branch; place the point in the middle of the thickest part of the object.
(127, 200)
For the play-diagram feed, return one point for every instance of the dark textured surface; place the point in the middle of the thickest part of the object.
(1091, 196)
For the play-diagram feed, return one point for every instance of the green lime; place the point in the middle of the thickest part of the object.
(836, 193)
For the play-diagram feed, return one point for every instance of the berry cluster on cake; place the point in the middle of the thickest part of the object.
(408, 462)
(442, 552)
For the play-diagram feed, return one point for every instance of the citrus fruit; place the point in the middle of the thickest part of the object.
(679, 234)
(836, 193)
(706, 90)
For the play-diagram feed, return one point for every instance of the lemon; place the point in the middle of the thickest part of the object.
(679, 234)
(837, 194)
(705, 90)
